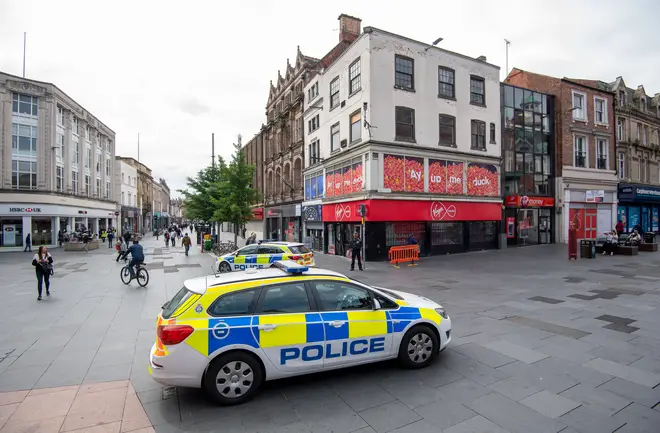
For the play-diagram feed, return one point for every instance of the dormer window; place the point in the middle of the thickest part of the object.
(643, 104)
(622, 98)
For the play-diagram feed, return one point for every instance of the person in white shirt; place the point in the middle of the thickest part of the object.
(43, 265)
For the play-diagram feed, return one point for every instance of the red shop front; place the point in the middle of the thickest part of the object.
(439, 227)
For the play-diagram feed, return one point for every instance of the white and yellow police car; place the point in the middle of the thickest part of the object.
(263, 255)
(227, 333)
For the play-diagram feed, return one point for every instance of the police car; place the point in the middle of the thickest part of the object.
(263, 255)
(228, 333)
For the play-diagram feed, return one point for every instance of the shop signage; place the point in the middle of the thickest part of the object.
(25, 209)
(258, 213)
(633, 192)
(312, 212)
(82, 212)
(597, 196)
(413, 210)
(527, 201)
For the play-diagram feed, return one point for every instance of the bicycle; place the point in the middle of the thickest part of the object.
(222, 248)
(141, 275)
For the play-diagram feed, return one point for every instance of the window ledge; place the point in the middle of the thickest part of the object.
(585, 121)
(454, 145)
(332, 108)
(606, 125)
(405, 89)
(354, 93)
(478, 149)
(492, 142)
(405, 139)
(476, 104)
(449, 98)
(335, 150)
(354, 142)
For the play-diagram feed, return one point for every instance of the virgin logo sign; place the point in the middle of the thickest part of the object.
(440, 211)
(342, 212)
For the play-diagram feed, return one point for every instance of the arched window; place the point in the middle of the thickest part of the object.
(297, 174)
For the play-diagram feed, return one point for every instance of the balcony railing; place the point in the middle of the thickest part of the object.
(601, 163)
(581, 159)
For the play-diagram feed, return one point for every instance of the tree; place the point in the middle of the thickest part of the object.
(197, 198)
(234, 196)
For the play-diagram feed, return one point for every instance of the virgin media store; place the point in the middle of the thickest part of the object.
(439, 227)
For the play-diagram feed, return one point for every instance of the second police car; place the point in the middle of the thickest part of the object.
(263, 255)
(228, 333)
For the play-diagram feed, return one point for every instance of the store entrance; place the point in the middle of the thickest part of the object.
(529, 226)
(545, 227)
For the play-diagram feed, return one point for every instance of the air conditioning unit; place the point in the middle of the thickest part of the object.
(343, 143)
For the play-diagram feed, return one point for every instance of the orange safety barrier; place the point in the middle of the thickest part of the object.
(402, 254)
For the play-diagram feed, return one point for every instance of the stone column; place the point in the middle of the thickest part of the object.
(56, 230)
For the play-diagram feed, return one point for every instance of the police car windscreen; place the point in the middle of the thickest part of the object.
(300, 249)
(170, 307)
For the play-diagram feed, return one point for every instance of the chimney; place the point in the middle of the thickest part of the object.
(349, 28)
(482, 58)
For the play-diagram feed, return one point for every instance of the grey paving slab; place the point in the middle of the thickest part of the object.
(631, 374)
(515, 351)
(638, 419)
(472, 369)
(445, 413)
(513, 416)
(540, 377)
(389, 416)
(646, 363)
(641, 394)
(477, 424)
(574, 371)
(585, 420)
(484, 354)
(549, 404)
(549, 327)
(598, 399)
(619, 356)
(515, 388)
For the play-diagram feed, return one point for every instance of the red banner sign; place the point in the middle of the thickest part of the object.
(411, 210)
(526, 201)
(258, 213)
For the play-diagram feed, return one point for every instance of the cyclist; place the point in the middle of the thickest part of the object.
(137, 256)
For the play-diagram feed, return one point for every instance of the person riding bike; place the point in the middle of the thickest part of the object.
(137, 256)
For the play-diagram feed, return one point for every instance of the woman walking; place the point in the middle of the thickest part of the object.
(43, 265)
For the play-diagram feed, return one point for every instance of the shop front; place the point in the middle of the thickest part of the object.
(528, 220)
(256, 225)
(590, 212)
(283, 223)
(45, 221)
(439, 227)
(129, 219)
(639, 205)
(312, 215)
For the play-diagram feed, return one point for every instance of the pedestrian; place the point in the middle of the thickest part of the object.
(121, 248)
(28, 244)
(43, 265)
(111, 236)
(85, 239)
(412, 240)
(157, 233)
(104, 236)
(356, 251)
(60, 237)
(186, 242)
(173, 238)
(619, 228)
(127, 236)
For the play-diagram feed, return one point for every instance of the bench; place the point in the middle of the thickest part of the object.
(624, 250)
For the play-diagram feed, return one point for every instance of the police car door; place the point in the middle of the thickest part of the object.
(290, 332)
(354, 331)
(246, 258)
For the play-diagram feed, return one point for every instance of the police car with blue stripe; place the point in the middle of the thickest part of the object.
(228, 333)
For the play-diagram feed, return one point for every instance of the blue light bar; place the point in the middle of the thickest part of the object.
(290, 266)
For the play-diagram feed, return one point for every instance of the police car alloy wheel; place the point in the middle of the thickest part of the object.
(418, 347)
(224, 267)
(233, 378)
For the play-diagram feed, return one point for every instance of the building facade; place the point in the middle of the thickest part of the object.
(126, 194)
(145, 192)
(585, 175)
(161, 204)
(254, 156)
(407, 133)
(56, 165)
(528, 170)
(637, 118)
(284, 151)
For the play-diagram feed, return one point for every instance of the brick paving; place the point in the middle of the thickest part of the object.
(540, 344)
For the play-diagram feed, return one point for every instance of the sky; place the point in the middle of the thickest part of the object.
(177, 71)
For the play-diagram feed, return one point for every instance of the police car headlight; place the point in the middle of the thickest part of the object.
(442, 313)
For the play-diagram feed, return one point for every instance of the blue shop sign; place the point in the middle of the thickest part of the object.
(639, 193)
(312, 213)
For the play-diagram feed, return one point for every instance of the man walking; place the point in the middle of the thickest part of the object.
(186, 242)
(356, 251)
(28, 244)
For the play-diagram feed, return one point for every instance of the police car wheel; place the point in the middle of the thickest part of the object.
(224, 267)
(418, 347)
(233, 378)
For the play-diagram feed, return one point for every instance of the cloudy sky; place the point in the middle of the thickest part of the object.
(176, 71)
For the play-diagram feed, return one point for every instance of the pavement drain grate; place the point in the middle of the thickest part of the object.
(169, 392)
(546, 300)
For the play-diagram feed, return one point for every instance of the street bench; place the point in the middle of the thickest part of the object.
(624, 250)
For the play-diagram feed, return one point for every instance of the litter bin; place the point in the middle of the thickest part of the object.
(587, 249)
(207, 245)
(649, 238)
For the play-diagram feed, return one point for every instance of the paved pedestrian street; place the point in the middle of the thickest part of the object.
(540, 344)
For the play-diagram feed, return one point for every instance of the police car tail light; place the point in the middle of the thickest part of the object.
(296, 258)
(170, 335)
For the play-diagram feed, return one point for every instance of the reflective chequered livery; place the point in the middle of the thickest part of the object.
(337, 331)
(265, 254)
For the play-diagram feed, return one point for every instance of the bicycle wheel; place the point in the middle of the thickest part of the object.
(125, 275)
(142, 277)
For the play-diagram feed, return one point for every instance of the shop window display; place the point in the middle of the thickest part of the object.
(12, 232)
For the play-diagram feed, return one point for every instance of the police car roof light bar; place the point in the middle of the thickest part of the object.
(290, 267)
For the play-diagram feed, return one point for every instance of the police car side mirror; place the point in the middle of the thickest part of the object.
(377, 305)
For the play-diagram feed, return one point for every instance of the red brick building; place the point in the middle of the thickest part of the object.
(585, 173)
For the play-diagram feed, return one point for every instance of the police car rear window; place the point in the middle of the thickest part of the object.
(170, 307)
(300, 249)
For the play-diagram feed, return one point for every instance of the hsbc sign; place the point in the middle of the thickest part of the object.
(25, 209)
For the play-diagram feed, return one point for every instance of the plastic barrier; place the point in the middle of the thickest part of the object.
(402, 254)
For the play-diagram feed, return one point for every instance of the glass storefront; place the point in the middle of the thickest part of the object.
(42, 233)
(531, 226)
(12, 232)
(645, 215)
